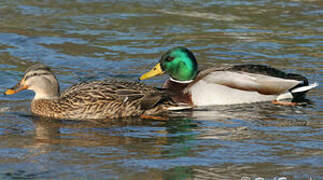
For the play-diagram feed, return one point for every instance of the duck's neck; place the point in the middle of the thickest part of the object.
(182, 82)
(44, 102)
(49, 94)
(178, 91)
(41, 96)
(43, 107)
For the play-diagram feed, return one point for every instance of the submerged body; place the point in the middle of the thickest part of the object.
(226, 85)
(91, 100)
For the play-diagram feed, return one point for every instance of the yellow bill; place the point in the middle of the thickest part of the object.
(15, 89)
(156, 71)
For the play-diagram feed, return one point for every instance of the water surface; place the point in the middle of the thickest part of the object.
(94, 40)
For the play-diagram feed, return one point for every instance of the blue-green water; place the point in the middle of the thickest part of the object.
(94, 40)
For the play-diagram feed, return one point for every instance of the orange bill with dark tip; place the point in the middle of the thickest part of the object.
(15, 89)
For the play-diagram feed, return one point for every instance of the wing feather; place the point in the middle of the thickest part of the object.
(263, 84)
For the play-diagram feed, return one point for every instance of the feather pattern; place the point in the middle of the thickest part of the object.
(236, 84)
(239, 84)
(108, 99)
(104, 100)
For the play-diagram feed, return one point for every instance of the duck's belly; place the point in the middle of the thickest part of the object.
(204, 94)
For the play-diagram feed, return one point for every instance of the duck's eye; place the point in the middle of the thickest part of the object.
(169, 58)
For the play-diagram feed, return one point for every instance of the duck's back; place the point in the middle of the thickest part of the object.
(267, 70)
(245, 84)
(101, 100)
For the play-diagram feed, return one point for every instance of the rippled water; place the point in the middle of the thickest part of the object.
(94, 40)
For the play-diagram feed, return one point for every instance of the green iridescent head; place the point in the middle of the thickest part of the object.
(178, 62)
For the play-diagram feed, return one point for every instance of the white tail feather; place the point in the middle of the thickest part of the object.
(305, 88)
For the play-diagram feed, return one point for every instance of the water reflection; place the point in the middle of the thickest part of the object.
(195, 143)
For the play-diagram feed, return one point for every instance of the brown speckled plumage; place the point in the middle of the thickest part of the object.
(94, 100)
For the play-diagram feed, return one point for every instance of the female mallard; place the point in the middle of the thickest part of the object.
(228, 85)
(91, 100)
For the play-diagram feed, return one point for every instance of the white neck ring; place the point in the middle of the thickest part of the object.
(183, 82)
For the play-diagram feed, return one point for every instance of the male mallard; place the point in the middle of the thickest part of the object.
(91, 100)
(227, 85)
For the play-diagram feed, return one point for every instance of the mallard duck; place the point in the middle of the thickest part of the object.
(235, 84)
(91, 100)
